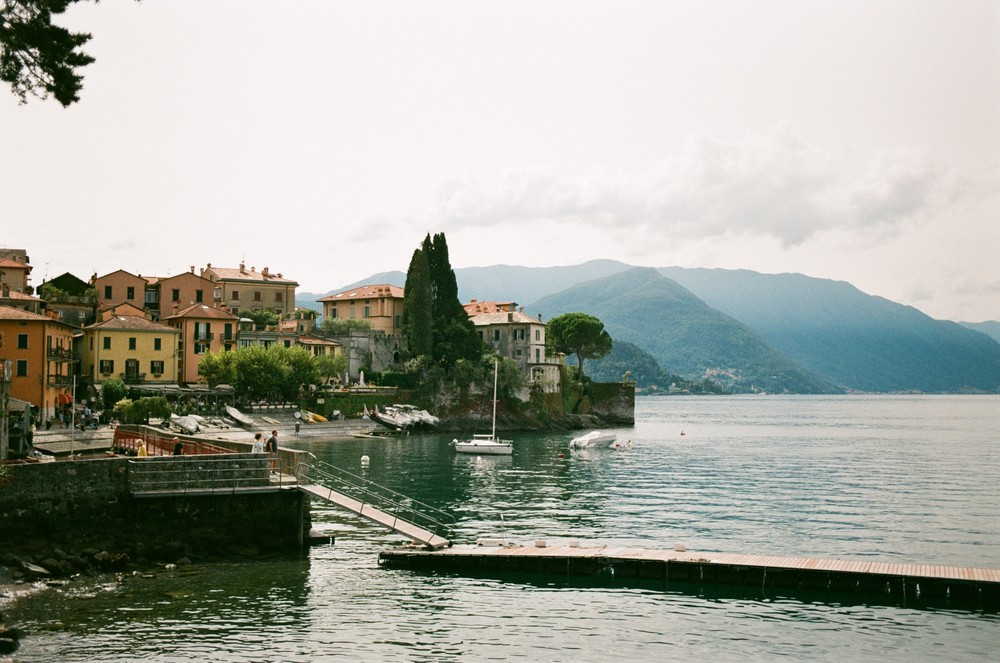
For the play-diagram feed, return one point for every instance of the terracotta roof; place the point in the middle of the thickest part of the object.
(132, 323)
(202, 311)
(243, 274)
(365, 292)
(7, 263)
(476, 307)
(14, 294)
(11, 313)
(513, 317)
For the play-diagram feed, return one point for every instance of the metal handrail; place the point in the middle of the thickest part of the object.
(195, 474)
(381, 497)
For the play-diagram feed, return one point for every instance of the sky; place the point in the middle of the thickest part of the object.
(856, 140)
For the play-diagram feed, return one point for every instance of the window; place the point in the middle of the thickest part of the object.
(156, 367)
(157, 343)
(278, 296)
(333, 312)
(519, 334)
(152, 297)
(22, 368)
(288, 343)
(107, 342)
(496, 334)
(366, 312)
(538, 334)
(538, 355)
(228, 331)
(131, 343)
(22, 341)
(256, 295)
(107, 366)
(200, 348)
(107, 292)
(175, 294)
(199, 296)
(236, 295)
(202, 331)
(130, 293)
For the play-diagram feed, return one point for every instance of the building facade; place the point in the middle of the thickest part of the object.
(40, 351)
(202, 329)
(130, 348)
(243, 290)
(380, 305)
(117, 287)
(514, 335)
(165, 296)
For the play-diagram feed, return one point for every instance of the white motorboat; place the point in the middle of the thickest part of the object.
(486, 444)
(594, 438)
(186, 423)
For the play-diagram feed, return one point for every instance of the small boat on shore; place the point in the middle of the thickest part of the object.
(594, 438)
(239, 417)
(186, 423)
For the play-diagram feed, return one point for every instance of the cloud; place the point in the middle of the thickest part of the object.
(772, 184)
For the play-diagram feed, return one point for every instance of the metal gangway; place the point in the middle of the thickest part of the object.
(415, 520)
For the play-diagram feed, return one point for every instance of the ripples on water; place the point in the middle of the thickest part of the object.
(893, 478)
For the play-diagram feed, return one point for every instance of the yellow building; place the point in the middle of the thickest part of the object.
(381, 305)
(130, 348)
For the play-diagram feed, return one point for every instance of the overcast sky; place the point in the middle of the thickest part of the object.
(857, 141)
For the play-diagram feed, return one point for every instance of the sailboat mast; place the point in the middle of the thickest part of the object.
(496, 365)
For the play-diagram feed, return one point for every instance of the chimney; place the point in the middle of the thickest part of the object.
(539, 317)
(243, 268)
(192, 269)
(510, 316)
(266, 272)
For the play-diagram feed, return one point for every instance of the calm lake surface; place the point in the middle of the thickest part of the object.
(906, 478)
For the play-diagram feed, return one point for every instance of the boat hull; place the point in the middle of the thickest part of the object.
(593, 439)
(496, 449)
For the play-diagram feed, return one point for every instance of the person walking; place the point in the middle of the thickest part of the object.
(272, 451)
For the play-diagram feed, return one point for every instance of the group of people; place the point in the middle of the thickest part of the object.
(270, 446)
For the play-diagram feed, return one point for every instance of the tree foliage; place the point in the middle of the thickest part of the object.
(418, 315)
(259, 373)
(38, 58)
(454, 335)
(579, 334)
(343, 326)
(262, 317)
(331, 366)
(112, 391)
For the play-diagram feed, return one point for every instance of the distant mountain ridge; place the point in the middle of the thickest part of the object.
(833, 335)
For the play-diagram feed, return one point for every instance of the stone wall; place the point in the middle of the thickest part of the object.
(75, 505)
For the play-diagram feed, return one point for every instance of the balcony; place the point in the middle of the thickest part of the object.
(204, 336)
(60, 354)
(133, 378)
(60, 381)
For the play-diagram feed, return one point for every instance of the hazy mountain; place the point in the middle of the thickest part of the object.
(853, 339)
(991, 328)
(686, 336)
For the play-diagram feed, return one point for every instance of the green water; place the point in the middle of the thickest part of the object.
(913, 479)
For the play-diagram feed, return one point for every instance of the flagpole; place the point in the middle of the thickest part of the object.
(72, 420)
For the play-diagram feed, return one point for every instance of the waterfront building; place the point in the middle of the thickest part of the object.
(127, 346)
(166, 295)
(514, 335)
(14, 273)
(243, 289)
(380, 305)
(40, 350)
(203, 329)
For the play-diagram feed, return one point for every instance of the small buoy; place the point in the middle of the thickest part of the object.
(562, 455)
(682, 432)
(365, 460)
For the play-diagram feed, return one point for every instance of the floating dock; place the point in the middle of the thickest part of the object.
(933, 583)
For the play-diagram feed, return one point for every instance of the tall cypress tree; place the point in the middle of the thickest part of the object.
(455, 336)
(418, 315)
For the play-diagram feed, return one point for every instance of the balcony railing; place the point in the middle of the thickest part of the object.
(204, 336)
(60, 354)
(60, 381)
(133, 378)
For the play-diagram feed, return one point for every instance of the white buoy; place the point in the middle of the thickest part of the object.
(365, 460)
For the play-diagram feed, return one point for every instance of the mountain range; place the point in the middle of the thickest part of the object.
(751, 331)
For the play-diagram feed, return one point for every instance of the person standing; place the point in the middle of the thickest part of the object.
(272, 450)
(258, 443)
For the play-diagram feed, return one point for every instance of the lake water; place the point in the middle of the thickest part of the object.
(905, 478)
